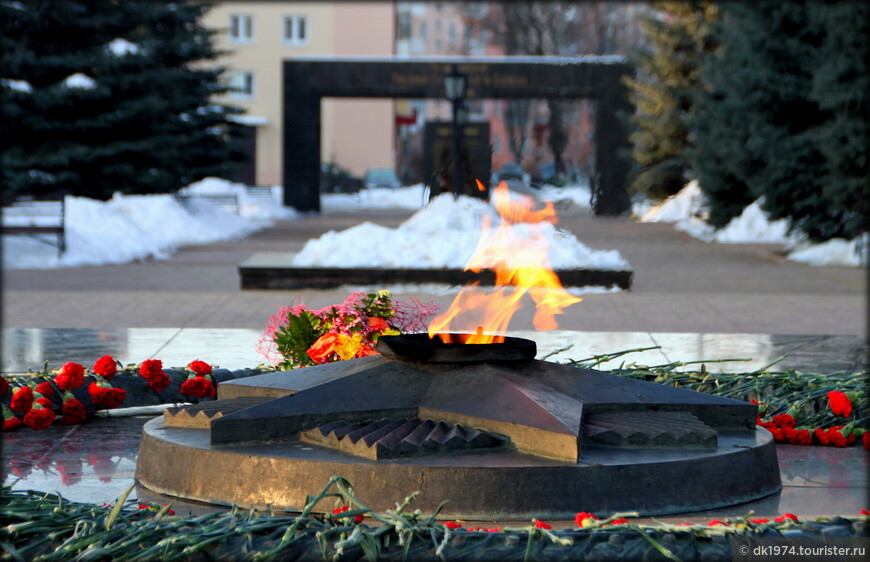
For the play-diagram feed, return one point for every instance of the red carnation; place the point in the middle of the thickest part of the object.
(106, 397)
(44, 402)
(199, 387)
(12, 424)
(775, 431)
(452, 525)
(45, 388)
(760, 521)
(580, 519)
(201, 368)
(865, 440)
(72, 375)
(821, 436)
(840, 403)
(73, 412)
(782, 518)
(159, 382)
(784, 420)
(800, 437)
(22, 399)
(716, 523)
(837, 439)
(4, 386)
(151, 368)
(357, 519)
(39, 418)
(106, 367)
(541, 525)
(620, 521)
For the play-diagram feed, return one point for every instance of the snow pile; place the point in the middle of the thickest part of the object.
(688, 209)
(261, 204)
(688, 203)
(120, 47)
(836, 251)
(444, 234)
(577, 194)
(79, 81)
(126, 228)
(17, 85)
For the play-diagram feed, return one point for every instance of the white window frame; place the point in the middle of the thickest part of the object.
(245, 77)
(295, 21)
(244, 24)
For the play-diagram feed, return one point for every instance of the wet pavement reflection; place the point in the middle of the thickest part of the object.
(29, 348)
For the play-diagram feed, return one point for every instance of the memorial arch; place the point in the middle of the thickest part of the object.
(308, 79)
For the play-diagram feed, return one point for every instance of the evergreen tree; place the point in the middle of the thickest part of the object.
(669, 75)
(841, 85)
(101, 96)
(761, 128)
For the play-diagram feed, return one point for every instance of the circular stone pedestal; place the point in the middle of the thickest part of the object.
(495, 484)
(500, 435)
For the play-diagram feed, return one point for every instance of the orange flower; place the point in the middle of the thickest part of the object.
(365, 351)
(325, 344)
(378, 324)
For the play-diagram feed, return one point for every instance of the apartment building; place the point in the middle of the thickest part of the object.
(355, 134)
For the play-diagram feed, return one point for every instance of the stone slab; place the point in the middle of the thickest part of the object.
(275, 271)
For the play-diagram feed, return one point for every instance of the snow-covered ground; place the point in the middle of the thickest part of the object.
(137, 227)
(128, 228)
(688, 208)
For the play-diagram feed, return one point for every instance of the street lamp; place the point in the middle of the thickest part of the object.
(454, 90)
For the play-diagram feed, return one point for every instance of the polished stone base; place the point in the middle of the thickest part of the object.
(271, 270)
(491, 485)
(558, 440)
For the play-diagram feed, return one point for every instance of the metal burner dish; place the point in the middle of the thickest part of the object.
(420, 347)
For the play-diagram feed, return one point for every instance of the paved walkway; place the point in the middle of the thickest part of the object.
(680, 285)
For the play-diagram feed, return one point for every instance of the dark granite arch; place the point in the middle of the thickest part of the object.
(308, 79)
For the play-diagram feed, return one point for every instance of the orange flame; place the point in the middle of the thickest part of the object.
(517, 252)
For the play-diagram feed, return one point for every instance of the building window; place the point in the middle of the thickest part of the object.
(241, 84)
(241, 28)
(437, 26)
(451, 33)
(438, 44)
(295, 30)
(423, 30)
(404, 25)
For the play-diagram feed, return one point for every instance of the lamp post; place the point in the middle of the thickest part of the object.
(454, 90)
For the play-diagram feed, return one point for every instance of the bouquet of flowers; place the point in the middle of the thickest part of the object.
(299, 337)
